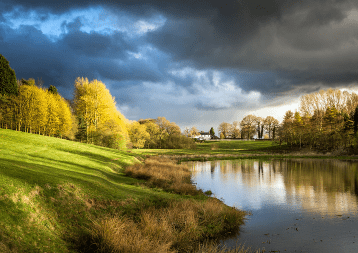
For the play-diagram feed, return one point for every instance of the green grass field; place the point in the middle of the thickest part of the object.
(235, 147)
(51, 189)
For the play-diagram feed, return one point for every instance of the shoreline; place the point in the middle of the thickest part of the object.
(212, 157)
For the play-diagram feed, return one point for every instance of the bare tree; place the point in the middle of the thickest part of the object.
(225, 129)
(235, 129)
(259, 127)
(248, 126)
(194, 132)
(270, 123)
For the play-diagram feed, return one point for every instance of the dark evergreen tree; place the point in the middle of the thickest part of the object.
(30, 82)
(8, 83)
(212, 132)
(53, 89)
(355, 121)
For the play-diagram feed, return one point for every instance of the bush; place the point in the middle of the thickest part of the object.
(176, 228)
(177, 141)
(109, 140)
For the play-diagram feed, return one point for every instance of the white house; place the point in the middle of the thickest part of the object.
(204, 136)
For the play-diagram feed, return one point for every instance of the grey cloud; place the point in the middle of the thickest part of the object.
(268, 46)
(75, 54)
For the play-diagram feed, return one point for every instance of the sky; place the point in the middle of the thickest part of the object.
(197, 63)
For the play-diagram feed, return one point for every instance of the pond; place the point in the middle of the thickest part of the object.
(296, 205)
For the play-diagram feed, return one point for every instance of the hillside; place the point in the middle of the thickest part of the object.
(51, 189)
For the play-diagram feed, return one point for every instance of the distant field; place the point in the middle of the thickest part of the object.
(50, 189)
(233, 147)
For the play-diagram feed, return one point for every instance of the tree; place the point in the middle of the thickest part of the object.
(287, 127)
(248, 126)
(138, 134)
(270, 123)
(225, 129)
(29, 82)
(212, 132)
(194, 132)
(186, 131)
(235, 130)
(355, 120)
(8, 84)
(166, 128)
(96, 111)
(260, 127)
(53, 89)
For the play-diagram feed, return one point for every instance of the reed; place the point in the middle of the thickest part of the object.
(177, 228)
(163, 173)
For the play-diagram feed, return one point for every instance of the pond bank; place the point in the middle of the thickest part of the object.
(212, 157)
(176, 226)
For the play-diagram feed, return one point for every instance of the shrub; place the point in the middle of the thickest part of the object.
(176, 228)
(177, 141)
(163, 173)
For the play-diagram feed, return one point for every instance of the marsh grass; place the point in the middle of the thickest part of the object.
(176, 228)
(163, 173)
(210, 247)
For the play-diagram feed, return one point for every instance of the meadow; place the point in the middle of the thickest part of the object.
(62, 196)
(221, 147)
(237, 149)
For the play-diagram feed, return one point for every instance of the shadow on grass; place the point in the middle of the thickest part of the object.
(100, 182)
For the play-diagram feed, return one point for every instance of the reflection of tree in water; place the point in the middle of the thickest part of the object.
(322, 185)
(212, 169)
(261, 169)
(317, 185)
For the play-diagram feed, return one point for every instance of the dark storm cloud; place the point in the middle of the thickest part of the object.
(75, 54)
(270, 46)
(95, 44)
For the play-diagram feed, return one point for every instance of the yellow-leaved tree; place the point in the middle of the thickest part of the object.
(99, 120)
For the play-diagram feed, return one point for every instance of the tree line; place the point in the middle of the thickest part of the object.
(35, 110)
(326, 120)
(91, 117)
(249, 127)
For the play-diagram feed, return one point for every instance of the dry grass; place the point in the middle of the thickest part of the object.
(163, 173)
(214, 146)
(177, 228)
(213, 248)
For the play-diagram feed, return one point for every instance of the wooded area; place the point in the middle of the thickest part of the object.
(326, 120)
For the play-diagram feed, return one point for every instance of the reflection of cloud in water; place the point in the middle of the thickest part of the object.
(249, 184)
(316, 186)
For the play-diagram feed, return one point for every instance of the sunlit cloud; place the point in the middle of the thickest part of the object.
(94, 19)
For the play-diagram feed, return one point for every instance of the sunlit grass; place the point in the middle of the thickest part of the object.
(50, 189)
(235, 147)
(63, 196)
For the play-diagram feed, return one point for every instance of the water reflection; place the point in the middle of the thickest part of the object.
(281, 192)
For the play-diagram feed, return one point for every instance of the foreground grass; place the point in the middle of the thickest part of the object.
(178, 226)
(51, 190)
(63, 196)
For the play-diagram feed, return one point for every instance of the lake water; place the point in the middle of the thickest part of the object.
(296, 205)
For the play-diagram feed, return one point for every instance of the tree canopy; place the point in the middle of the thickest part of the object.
(8, 84)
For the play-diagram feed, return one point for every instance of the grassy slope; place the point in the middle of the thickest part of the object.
(50, 190)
